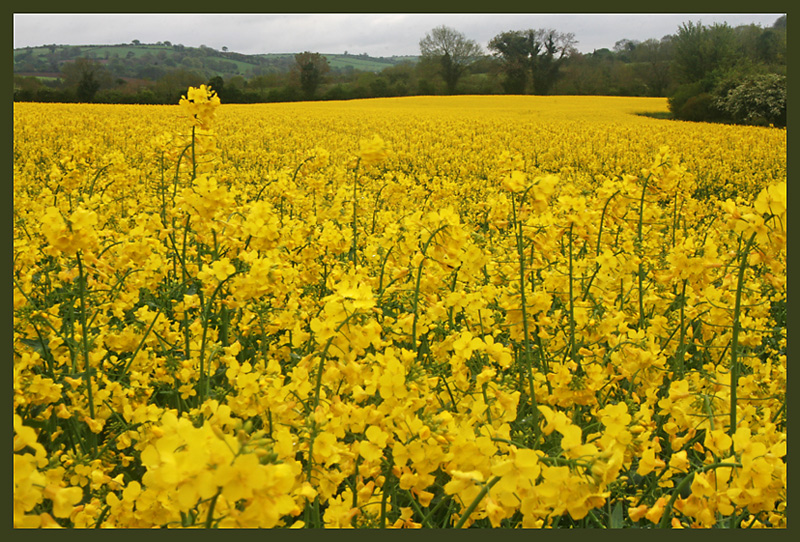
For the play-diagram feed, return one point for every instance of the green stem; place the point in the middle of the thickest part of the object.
(526, 337)
(210, 516)
(194, 156)
(141, 343)
(324, 356)
(383, 268)
(425, 518)
(674, 219)
(602, 219)
(87, 375)
(102, 517)
(683, 332)
(597, 250)
(384, 489)
(640, 241)
(206, 316)
(476, 501)
(687, 480)
(735, 338)
(184, 276)
(571, 304)
(178, 170)
(416, 287)
(355, 212)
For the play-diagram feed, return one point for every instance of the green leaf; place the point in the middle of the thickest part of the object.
(616, 516)
(37, 345)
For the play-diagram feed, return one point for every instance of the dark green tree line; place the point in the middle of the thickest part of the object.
(730, 74)
(712, 73)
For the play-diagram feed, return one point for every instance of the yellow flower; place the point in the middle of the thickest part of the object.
(718, 441)
(82, 219)
(372, 151)
(772, 200)
(64, 499)
(201, 103)
(657, 510)
(679, 461)
(627, 291)
(638, 512)
(405, 521)
(515, 181)
(649, 462)
(325, 449)
(220, 270)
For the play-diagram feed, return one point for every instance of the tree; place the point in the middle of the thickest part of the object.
(768, 46)
(701, 51)
(624, 49)
(174, 83)
(719, 68)
(539, 53)
(451, 50)
(217, 84)
(261, 83)
(312, 68)
(652, 58)
(513, 51)
(401, 77)
(25, 88)
(549, 49)
(86, 76)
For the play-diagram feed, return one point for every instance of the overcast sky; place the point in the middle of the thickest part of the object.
(380, 34)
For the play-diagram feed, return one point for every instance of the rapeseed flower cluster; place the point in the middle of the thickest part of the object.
(531, 312)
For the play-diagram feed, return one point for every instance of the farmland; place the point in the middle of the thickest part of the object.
(468, 311)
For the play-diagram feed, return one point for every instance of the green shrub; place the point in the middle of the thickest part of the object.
(695, 102)
(682, 95)
(701, 108)
(759, 100)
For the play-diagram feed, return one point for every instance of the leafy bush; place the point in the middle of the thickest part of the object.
(759, 100)
(700, 108)
(696, 102)
(682, 95)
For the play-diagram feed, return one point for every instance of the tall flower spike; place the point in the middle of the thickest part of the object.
(201, 103)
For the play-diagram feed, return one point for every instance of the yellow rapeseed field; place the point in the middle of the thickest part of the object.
(485, 311)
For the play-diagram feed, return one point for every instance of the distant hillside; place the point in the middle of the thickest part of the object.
(153, 61)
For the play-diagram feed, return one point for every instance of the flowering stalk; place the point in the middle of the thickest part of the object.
(640, 246)
(206, 316)
(736, 328)
(526, 338)
(180, 256)
(87, 375)
(571, 351)
(416, 288)
(323, 357)
(597, 250)
(681, 345)
(194, 155)
(355, 213)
